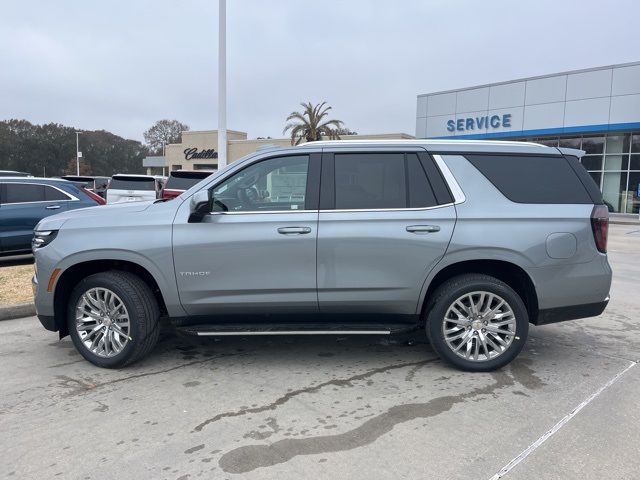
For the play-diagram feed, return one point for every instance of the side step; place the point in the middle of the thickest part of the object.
(227, 329)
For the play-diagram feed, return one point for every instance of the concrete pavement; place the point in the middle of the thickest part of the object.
(354, 407)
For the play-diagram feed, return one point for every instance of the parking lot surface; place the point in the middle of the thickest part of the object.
(332, 407)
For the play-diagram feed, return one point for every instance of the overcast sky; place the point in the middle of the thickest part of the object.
(121, 65)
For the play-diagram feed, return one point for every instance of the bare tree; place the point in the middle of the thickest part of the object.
(162, 133)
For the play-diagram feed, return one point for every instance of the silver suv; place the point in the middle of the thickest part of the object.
(469, 240)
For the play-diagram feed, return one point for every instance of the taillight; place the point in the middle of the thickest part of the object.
(94, 196)
(600, 226)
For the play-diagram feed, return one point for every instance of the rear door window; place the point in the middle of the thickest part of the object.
(133, 183)
(378, 181)
(532, 178)
(370, 181)
(420, 191)
(53, 194)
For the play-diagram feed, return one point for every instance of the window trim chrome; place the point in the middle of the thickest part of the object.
(408, 209)
(71, 198)
(251, 212)
(454, 186)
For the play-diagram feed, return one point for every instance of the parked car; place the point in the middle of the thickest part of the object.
(25, 201)
(132, 188)
(182, 180)
(469, 241)
(12, 173)
(97, 185)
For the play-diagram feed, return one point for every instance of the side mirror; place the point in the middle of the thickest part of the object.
(199, 206)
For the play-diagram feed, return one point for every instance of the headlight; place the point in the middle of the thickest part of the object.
(42, 238)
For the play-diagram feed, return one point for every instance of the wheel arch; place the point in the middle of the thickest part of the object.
(72, 275)
(510, 273)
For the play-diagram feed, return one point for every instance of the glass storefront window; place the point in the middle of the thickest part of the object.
(614, 190)
(571, 142)
(593, 144)
(592, 162)
(616, 162)
(633, 195)
(618, 143)
(635, 162)
(635, 144)
(549, 142)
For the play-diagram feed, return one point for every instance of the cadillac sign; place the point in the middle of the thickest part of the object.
(193, 153)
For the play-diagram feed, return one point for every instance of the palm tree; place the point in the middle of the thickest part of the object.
(309, 124)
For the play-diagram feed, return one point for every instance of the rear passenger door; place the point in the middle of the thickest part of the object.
(386, 218)
(23, 206)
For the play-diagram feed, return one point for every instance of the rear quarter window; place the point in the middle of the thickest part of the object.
(532, 178)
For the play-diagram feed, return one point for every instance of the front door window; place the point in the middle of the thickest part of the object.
(275, 184)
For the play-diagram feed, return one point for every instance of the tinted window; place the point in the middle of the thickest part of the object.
(53, 194)
(370, 181)
(275, 184)
(587, 180)
(532, 179)
(132, 183)
(420, 192)
(184, 180)
(21, 193)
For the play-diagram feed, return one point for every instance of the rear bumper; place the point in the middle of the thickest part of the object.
(574, 312)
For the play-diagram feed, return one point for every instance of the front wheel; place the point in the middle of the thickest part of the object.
(113, 318)
(477, 322)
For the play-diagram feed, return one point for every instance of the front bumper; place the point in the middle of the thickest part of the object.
(573, 312)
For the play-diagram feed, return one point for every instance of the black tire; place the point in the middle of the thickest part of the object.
(447, 293)
(143, 310)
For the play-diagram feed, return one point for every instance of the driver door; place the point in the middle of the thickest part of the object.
(256, 251)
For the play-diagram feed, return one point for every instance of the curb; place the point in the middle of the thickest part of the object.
(10, 312)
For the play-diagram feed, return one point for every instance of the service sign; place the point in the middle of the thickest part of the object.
(486, 122)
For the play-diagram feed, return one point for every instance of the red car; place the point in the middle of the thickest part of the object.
(182, 180)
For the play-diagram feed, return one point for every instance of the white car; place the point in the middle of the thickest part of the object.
(132, 188)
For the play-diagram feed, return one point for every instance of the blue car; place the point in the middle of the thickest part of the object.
(24, 201)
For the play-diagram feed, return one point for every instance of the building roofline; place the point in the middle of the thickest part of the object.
(188, 132)
(524, 79)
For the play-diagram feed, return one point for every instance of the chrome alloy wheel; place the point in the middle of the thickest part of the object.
(479, 326)
(102, 322)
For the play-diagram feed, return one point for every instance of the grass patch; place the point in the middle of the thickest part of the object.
(15, 284)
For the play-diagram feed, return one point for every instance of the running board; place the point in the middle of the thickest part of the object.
(226, 329)
(295, 332)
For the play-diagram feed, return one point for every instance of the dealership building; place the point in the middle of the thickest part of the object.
(596, 110)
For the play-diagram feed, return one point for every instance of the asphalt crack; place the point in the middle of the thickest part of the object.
(294, 393)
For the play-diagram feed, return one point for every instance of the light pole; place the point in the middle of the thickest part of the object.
(222, 84)
(78, 154)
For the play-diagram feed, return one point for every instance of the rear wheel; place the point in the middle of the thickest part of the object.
(113, 318)
(477, 322)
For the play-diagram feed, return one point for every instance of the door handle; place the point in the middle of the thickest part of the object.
(294, 230)
(423, 228)
(52, 207)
